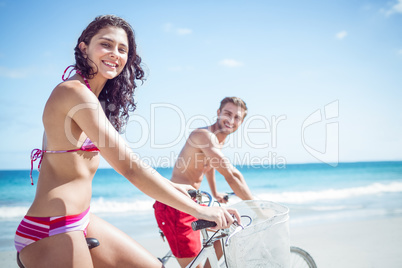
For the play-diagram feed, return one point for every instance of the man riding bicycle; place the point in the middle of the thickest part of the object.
(202, 155)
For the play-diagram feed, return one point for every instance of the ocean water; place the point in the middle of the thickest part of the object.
(315, 193)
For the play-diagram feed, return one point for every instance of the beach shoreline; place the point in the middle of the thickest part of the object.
(370, 242)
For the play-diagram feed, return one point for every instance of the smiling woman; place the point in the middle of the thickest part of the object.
(113, 37)
(77, 129)
(109, 48)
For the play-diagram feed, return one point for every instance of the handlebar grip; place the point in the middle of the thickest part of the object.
(202, 224)
(226, 197)
(192, 193)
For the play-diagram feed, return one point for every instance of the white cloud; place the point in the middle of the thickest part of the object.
(396, 8)
(400, 52)
(169, 28)
(15, 73)
(183, 31)
(230, 63)
(26, 72)
(341, 35)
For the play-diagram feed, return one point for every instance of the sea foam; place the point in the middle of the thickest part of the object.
(332, 194)
(144, 203)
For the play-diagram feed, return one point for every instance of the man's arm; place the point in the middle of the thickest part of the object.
(210, 175)
(209, 146)
(235, 179)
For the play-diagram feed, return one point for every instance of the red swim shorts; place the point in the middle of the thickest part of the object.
(176, 226)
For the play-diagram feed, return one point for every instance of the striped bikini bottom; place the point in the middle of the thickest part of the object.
(32, 229)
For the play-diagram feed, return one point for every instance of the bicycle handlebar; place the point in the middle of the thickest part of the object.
(202, 224)
(192, 193)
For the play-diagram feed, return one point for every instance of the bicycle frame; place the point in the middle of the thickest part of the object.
(208, 249)
(206, 253)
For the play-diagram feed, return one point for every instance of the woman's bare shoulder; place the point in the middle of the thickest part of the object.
(67, 95)
(71, 87)
(72, 90)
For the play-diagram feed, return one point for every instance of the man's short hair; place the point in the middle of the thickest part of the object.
(236, 101)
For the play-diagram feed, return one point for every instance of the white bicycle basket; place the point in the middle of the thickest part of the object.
(264, 243)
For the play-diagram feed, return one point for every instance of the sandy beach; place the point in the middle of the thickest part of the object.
(364, 243)
(375, 242)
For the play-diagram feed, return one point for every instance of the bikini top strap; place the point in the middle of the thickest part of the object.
(85, 79)
(68, 76)
(78, 72)
(35, 155)
(38, 154)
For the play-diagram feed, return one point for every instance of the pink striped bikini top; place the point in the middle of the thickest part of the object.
(87, 146)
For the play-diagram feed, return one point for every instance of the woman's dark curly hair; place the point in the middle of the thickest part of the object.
(117, 97)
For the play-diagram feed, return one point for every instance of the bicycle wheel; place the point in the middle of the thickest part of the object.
(300, 258)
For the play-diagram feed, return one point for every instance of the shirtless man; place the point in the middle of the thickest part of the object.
(201, 156)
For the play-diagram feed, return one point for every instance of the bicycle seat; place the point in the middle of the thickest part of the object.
(92, 242)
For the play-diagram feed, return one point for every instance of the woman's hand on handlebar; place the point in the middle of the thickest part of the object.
(222, 216)
(183, 188)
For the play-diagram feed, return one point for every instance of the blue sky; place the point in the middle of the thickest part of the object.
(322, 79)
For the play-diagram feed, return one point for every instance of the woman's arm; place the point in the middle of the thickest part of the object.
(85, 110)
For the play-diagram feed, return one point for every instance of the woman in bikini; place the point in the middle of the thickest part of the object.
(77, 130)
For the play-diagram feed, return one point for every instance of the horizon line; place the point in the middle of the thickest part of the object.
(258, 165)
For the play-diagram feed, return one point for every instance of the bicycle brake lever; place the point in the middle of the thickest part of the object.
(239, 227)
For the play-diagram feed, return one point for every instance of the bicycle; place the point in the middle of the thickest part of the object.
(298, 257)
